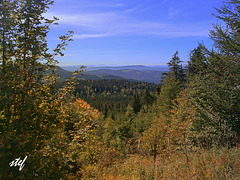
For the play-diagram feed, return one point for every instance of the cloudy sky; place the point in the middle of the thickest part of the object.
(130, 32)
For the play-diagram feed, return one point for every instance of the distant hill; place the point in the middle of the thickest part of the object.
(134, 72)
(117, 67)
(145, 75)
(64, 75)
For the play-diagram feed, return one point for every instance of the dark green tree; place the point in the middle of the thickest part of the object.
(176, 67)
(226, 37)
(147, 99)
(227, 40)
(169, 91)
(171, 84)
(215, 93)
(198, 61)
(136, 103)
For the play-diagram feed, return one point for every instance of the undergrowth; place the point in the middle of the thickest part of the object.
(211, 164)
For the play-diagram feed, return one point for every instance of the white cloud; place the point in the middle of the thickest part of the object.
(85, 36)
(87, 20)
(105, 24)
(132, 9)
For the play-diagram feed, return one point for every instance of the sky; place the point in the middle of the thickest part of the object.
(131, 32)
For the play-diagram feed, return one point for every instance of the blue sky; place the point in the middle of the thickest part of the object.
(131, 32)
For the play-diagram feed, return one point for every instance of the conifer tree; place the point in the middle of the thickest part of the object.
(176, 67)
(135, 103)
(216, 92)
(169, 91)
(227, 41)
(226, 37)
(147, 99)
(198, 60)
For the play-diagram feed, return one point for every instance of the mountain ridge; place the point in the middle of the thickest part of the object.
(146, 75)
(118, 67)
(132, 73)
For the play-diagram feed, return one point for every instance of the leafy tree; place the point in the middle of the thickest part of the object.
(30, 103)
(181, 119)
(155, 137)
(80, 121)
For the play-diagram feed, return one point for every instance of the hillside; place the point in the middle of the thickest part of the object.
(64, 75)
(131, 72)
(127, 74)
(146, 75)
(117, 67)
(112, 94)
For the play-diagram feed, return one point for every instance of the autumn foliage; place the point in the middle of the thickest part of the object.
(187, 129)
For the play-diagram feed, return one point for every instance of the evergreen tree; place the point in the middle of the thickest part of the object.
(226, 37)
(147, 99)
(169, 91)
(227, 41)
(176, 67)
(171, 85)
(215, 93)
(198, 61)
(136, 103)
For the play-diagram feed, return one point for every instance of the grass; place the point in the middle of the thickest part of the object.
(214, 164)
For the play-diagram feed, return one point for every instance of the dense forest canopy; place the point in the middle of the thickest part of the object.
(187, 127)
(112, 95)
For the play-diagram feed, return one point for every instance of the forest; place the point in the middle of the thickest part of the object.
(113, 95)
(185, 127)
